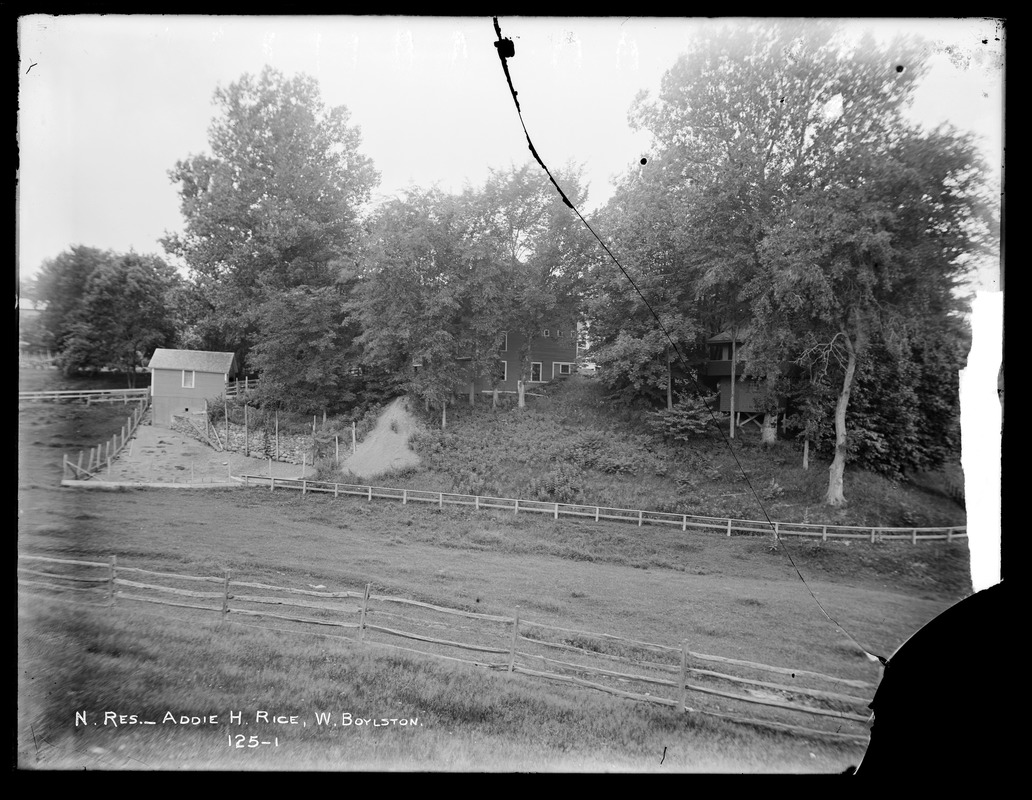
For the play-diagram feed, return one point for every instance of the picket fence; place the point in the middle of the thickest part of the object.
(100, 456)
(640, 517)
(658, 674)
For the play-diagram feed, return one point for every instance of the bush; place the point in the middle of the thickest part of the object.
(562, 484)
(686, 421)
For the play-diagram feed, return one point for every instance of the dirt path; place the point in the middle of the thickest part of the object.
(162, 455)
(386, 447)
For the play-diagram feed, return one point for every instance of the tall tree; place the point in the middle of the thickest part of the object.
(125, 312)
(428, 294)
(818, 204)
(274, 207)
(644, 226)
(60, 287)
(544, 248)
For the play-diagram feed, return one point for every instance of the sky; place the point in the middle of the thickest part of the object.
(109, 104)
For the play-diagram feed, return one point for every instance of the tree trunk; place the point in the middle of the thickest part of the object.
(494, 398)
(444, 415)
(472, 392)
(669, 382)
(806, 454)
(769, 432)
(519, 388)
(836, 496)
(733, 353)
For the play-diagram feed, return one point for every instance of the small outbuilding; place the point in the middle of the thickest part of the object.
(181, 380)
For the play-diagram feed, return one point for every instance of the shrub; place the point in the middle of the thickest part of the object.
(687, 420)
(562, 484)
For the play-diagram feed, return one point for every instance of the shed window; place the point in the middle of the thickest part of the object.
(504, 344)
(546, 333)
(188, 378)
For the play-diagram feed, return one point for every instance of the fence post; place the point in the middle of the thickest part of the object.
(684, 675)
(640, 515)
(64, 467)
(277, 434)
(729, 528)
(556, 511)
(335, 487)
(111, 581)
(512, 644)
(872, 535)
(596, 513)
(516, 507)
(476, 502)
(225, 596)
(914, 537)
(336, 449)
(949, 534)
(440, 500)
(361, 621)
(684, 523)
(824, 533)
(304, 486)
(370, 493)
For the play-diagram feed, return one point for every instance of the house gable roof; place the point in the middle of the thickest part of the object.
(197, 360)
(725, 336)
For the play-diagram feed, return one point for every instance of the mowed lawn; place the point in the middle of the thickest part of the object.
(726, 597)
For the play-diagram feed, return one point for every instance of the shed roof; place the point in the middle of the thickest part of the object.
(197, 360)
(725, 336)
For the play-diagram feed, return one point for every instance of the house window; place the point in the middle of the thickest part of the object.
(559, 368)
(502, 373)
(504, 346)
(546, 333)
(188, 378)
(535, 371)
(558, 334)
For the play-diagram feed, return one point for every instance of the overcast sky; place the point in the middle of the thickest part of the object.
(107, 105)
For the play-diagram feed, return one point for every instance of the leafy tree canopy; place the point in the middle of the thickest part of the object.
(274, 206)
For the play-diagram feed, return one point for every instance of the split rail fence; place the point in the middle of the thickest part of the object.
(96, 458)
(640, 517)
(783, 698)
(91, 396)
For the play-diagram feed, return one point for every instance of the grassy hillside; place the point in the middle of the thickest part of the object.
(571, 445)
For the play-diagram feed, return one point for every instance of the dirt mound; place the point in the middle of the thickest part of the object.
(386, 447)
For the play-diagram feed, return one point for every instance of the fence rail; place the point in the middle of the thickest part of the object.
(89, 395)
(641, 671)
(100, 456)
(640, 517)
(237, 388)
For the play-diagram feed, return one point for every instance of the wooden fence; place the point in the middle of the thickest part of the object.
(91, 396)
(236, 388)
(101, 455)
(640, 517)
(797, 700)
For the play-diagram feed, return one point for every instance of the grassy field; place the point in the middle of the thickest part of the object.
(732, 598)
